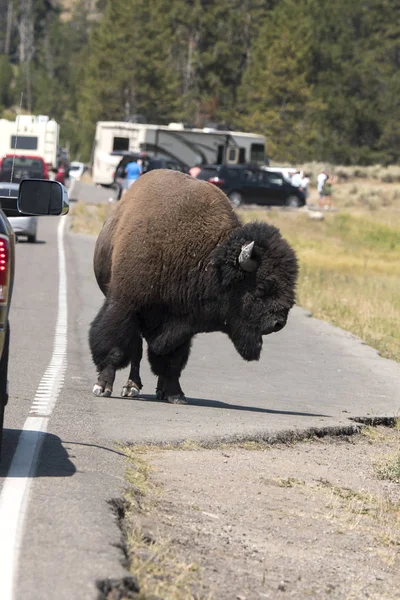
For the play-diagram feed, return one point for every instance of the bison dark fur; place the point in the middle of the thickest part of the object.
(173, 260)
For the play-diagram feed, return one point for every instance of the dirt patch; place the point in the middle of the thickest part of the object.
(313, 519)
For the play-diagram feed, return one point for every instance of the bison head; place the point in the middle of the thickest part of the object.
(257, 272)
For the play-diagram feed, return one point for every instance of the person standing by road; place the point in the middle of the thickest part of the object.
(133, 171)
(321, 180)
(297, 178)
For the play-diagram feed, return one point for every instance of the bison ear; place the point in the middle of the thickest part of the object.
(245, 260)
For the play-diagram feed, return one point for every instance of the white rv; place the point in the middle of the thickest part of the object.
(33, 135)
(187, 146)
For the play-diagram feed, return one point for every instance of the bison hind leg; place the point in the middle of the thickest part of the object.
(106, 377)
(114, 340)
(169, 368)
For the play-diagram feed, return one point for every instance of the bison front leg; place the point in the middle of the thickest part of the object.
(172, 333)
(168, 369)
(113, 336)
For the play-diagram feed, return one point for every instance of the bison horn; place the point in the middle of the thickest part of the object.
(245, 260)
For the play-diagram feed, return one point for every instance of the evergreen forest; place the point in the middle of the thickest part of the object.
(319, 78)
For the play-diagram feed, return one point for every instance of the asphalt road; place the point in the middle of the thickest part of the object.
(77, 190)
(310, 375)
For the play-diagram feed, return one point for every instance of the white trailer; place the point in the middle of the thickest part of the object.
(33, 135)
(188, 146)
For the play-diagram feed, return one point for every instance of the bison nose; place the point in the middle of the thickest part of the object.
(279, 325)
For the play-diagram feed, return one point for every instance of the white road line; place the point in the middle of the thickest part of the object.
(15, 493)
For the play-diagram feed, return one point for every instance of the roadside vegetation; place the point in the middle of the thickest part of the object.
(88, 218)
(153, 560)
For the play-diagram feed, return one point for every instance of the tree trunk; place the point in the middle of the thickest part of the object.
(10, 15)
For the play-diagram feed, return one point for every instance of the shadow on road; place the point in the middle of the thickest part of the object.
(107, 449)
(23, 242)
(53, 461)
(225, 405)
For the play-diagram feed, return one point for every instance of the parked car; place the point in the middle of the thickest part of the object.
(35, 197)
(76, 169)
(248, 184)
(22, 225)
(22, 167)
(149, 163)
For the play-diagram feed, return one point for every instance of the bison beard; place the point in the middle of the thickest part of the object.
(173, 260)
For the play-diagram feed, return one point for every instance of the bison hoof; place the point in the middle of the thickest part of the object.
(130, 390)
(177, 399)
(98, 390)
(160, 395)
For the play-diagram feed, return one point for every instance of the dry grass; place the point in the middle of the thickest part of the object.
(89, 218)
(389, 468)
(152, 557)
(352, 510)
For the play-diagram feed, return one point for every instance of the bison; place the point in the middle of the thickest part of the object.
(174, 260)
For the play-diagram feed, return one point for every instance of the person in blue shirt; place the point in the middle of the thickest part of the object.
(133, 171)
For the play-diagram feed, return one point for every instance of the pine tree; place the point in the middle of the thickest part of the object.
(276, 96)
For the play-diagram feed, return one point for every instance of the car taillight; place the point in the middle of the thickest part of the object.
(4, 269)
(216, 181)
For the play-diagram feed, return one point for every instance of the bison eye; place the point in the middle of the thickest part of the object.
(265, 289)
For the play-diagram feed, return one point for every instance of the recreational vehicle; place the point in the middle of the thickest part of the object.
(33, 135)
(187, 146)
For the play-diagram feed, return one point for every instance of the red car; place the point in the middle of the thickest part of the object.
(25, 167)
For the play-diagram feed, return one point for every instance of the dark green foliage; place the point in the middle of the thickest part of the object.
(320, 78)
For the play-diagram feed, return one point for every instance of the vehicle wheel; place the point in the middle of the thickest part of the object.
(3, 381)
(236, 199)
(293, 202)
(32, 238)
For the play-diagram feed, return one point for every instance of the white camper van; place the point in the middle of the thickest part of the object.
(33, 135)
(174, 141)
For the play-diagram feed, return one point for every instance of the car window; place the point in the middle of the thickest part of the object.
(120, 144)
(249, 175)
(273, 178)
(257, 153)
(22, 162)
(172, 165)
(24, 142)
(207, 173)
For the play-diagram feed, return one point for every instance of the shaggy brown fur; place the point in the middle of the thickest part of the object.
(167, 224)
(167, 262)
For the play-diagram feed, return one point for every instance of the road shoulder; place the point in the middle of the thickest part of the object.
(317, 518)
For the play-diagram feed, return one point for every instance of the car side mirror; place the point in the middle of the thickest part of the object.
(42, 197)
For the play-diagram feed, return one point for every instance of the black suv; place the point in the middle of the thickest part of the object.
(149, 163)
(248, 184)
